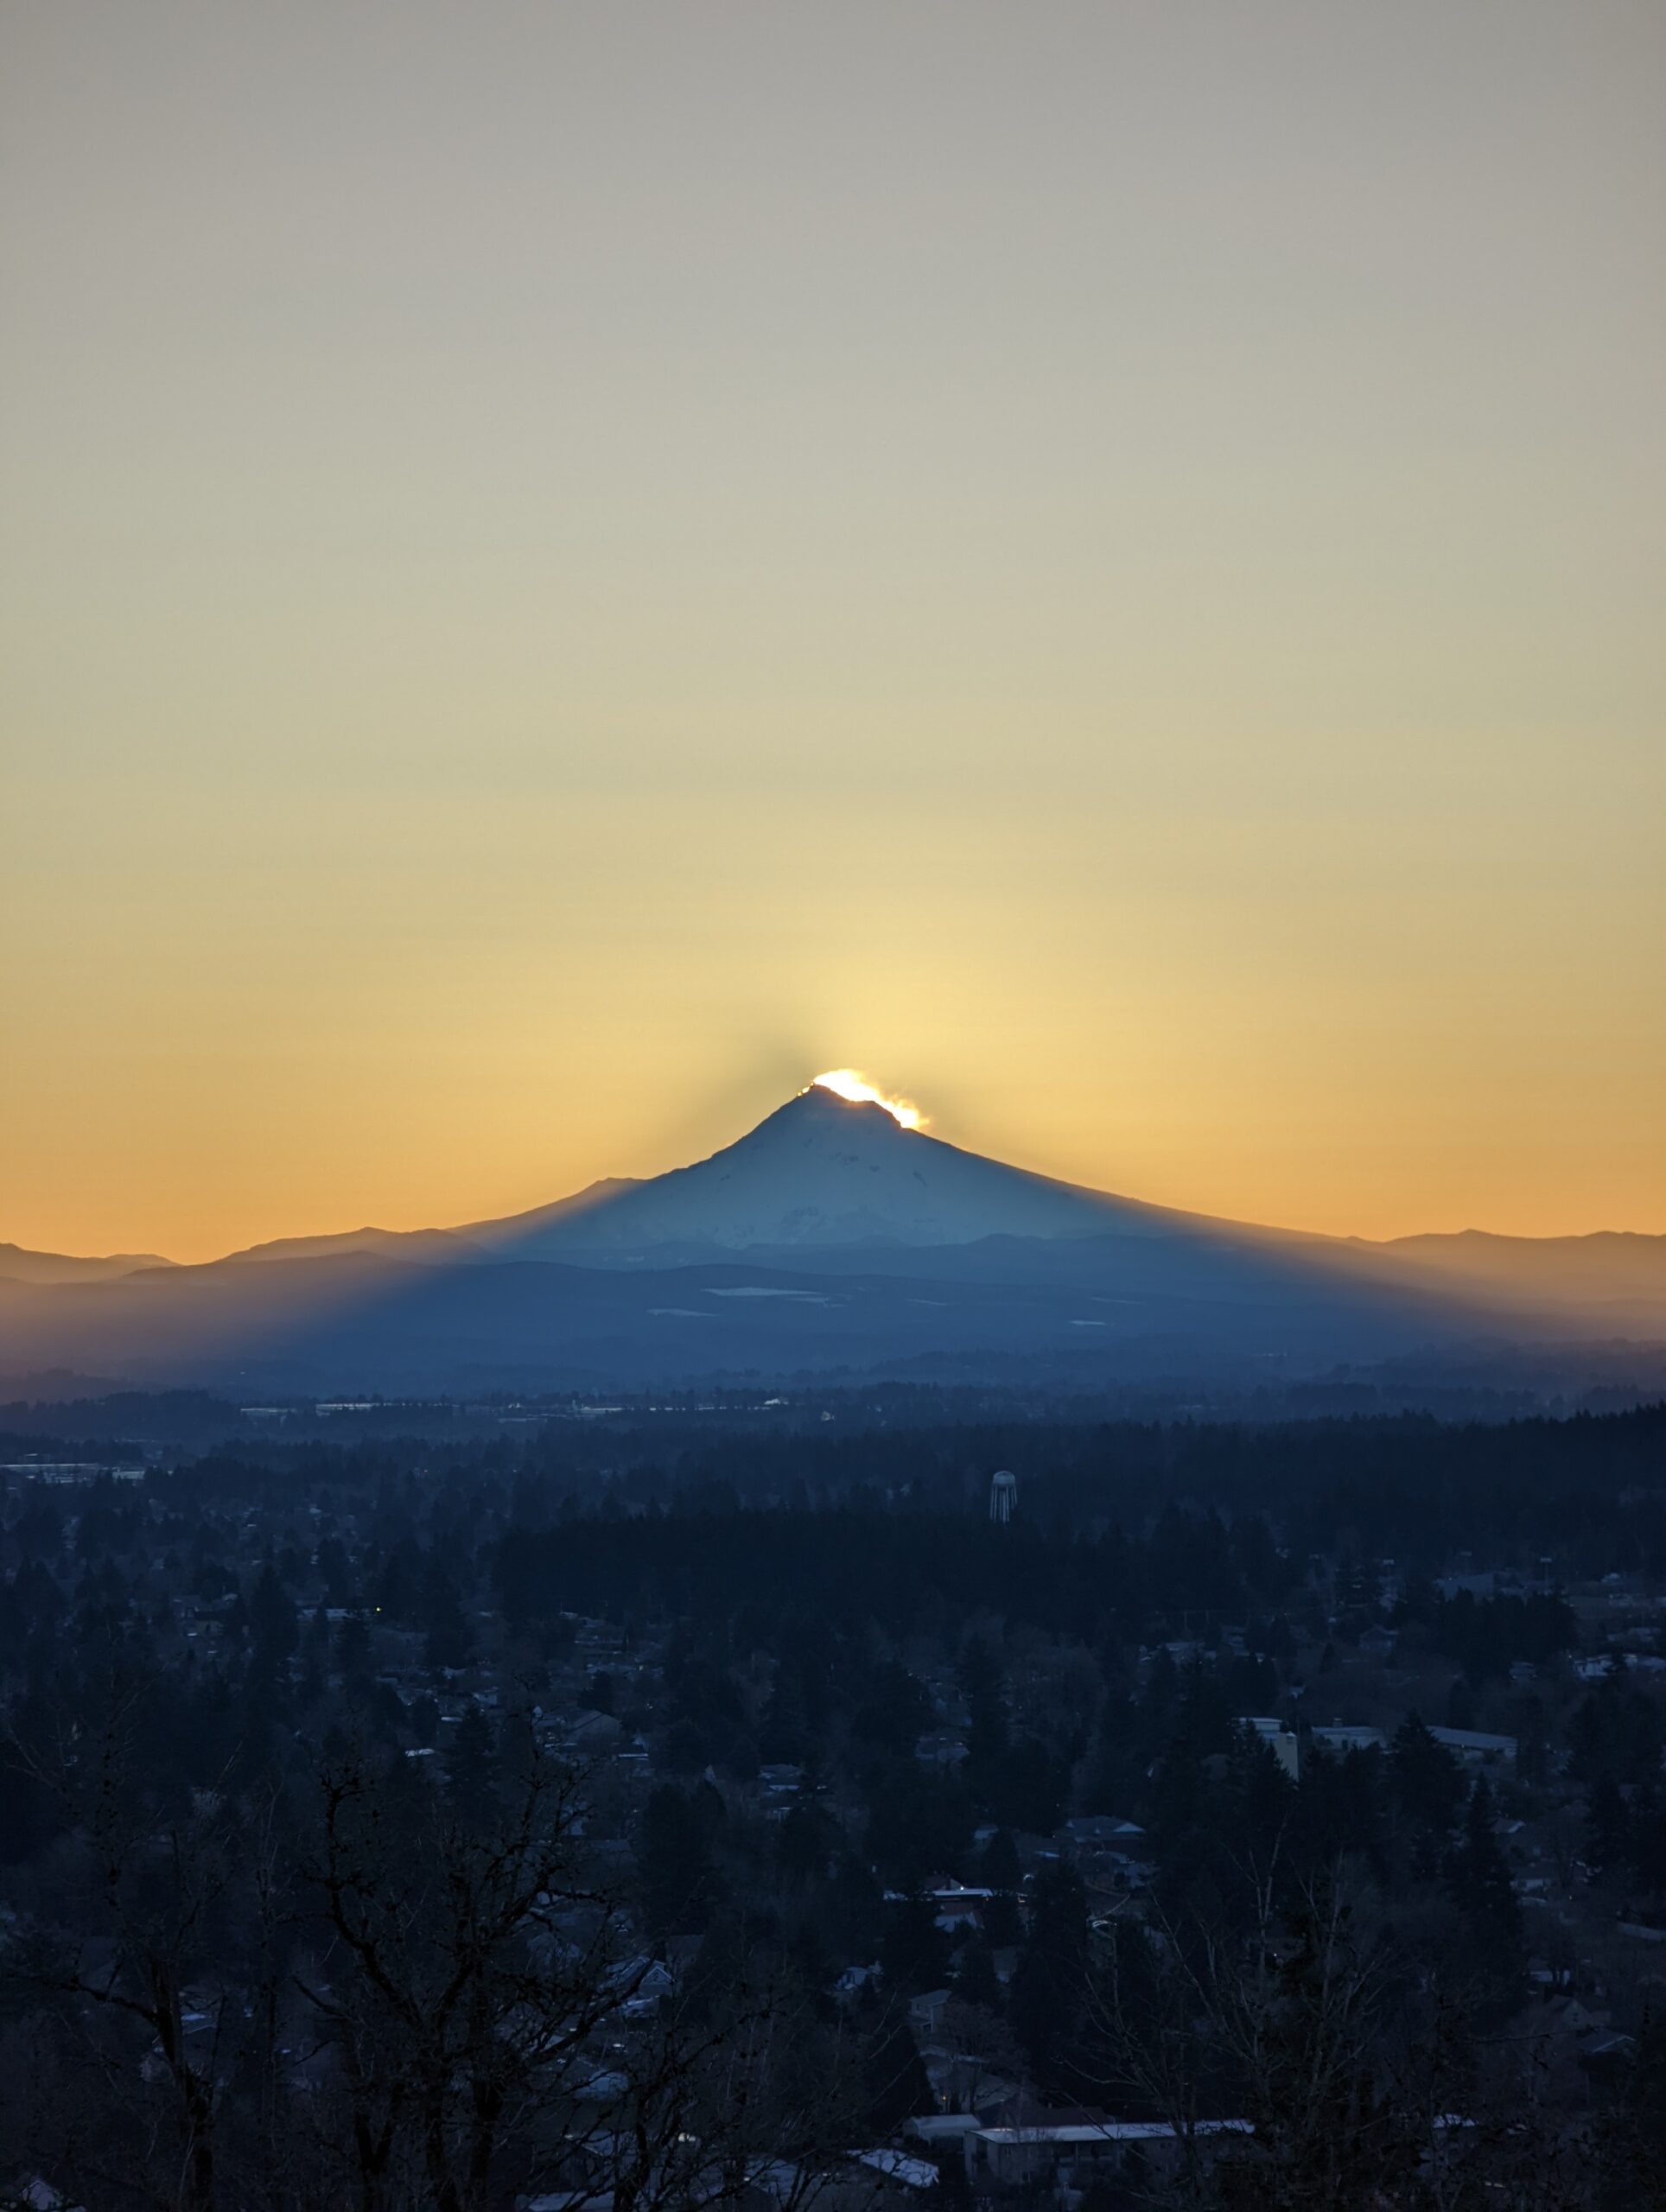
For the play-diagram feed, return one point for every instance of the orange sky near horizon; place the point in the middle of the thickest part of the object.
(563, 570)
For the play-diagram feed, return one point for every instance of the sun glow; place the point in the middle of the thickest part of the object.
(849, 1082)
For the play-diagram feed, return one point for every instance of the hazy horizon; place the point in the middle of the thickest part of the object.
(911, 1118)
(565, 569)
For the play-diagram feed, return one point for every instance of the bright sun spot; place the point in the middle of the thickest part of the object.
(848, 1083)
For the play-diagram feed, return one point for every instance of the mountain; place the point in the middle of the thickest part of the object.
(1609, 1268)
(831, 1239)
(820, 1172)
(19, 1265)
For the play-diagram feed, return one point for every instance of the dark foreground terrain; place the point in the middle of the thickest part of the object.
(683, 1807)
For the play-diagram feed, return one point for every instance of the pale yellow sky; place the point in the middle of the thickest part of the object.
(563, 568)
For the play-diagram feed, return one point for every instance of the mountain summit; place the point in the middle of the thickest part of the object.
(822, 1170)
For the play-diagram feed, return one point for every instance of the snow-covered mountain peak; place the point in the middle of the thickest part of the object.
(820, 1117)
(822, 1170)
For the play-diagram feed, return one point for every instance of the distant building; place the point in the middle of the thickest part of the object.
(1448, 1587)
(1339, 1740)
(66, 1473)
(1100, 1832)
(941, 1748)
(1068, 2157)
(1475, 1748)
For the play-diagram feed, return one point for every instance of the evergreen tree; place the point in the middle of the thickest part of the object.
(1646, 1844)
(983, 1685)
(1477, 1879)
(856, 1911)
(470, 1760)
(894, 2074)
(449, 1637)
(920, 1822)
(1427, 1787)
(998, 1864)
(895, 1713)
(1028, 1787)
(1616, 1733)
(272, 1619)
(352, 1653)
(1047, 1996)
(675, 1866)
(1479, 1876)
(999, 1869)
(806, 1841)
(1607, 1828)
(1265, 1801)
(975, 1978)
(914, 1953)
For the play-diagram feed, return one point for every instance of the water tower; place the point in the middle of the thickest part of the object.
(1003, 1496)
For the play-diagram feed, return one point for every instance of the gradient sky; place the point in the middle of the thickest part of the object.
(563, 567)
